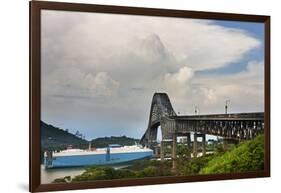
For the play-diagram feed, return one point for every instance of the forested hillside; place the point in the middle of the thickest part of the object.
(121, 140)
(54, 138)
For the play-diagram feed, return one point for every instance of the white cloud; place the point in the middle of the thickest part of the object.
(95, 40)
(72, 82)
(181, 77)
(177, 84)
(103, 84)
(245, 90)
(105, 65)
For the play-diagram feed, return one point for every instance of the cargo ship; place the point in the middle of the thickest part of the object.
(111, 155)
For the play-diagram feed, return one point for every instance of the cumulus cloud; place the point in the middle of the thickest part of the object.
(104, 65)
(72, 82)
(245, 90)
(178, 83)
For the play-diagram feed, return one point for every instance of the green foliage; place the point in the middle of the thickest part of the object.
(219, 148)
(62, 180)
(183, 152)
(187, 166)
(149, 169)
(162, 168)
(103, 173)
(56, 139)
(247, 156)
(121, 140)
(53, 138)
(193, 166)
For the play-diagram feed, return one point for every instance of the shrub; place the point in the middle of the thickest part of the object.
(247, 156)
(150, 171)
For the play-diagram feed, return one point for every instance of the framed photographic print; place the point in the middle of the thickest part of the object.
(123, 96)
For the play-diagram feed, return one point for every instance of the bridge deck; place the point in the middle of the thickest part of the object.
(236, 125)
(237, 116)
(219, 118)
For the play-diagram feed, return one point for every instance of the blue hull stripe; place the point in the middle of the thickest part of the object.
(96, 159)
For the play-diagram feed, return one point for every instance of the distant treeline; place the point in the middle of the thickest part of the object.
(105, 141)
(54, 138)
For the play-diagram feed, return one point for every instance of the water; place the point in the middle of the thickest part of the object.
(48, 176)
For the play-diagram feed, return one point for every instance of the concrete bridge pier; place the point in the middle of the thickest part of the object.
(156, 151)
(174, 151)
(204, 144)
(188, 141)
(195, 144)
(224, 143)
(162, 146)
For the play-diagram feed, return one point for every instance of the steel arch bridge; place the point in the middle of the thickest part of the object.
(237, 126)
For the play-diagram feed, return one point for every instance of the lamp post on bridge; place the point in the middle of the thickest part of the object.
(224, 139)
(195, 145)
(196, 110)
(226, 105)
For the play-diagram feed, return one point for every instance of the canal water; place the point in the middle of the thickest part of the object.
(49, 175)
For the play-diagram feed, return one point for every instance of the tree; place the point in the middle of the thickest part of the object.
(247, 156)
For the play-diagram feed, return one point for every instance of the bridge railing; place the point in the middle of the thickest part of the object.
(235, 126)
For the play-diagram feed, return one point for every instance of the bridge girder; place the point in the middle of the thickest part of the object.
(235, 126)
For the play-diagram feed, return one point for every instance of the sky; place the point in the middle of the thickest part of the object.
(100, 71)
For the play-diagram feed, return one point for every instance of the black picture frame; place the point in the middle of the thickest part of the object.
(35, 52)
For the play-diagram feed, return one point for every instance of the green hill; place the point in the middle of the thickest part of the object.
(54, 138)
(121, 140)
(247, 156)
